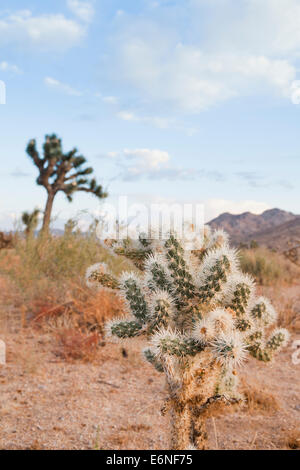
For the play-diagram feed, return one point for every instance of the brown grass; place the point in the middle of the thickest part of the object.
(268, 267)
(287, 304)
(257, 400)
(42, 288)
(84, 309)
(42, 282)
(289, 315)
(77, 345)
(293, 440)
(127, 437)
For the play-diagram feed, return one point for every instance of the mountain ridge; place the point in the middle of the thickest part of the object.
(274, 228)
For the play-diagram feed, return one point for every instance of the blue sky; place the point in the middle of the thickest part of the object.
(170, 101)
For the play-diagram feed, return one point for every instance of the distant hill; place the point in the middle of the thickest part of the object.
(281, 237)
(273, 228)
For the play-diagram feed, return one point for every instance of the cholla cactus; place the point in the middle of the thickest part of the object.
(201, 317)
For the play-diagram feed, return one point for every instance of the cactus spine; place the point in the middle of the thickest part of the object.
(201, 317)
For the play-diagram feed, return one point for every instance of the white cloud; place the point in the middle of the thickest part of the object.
(214, 207)
(156, 121)
(107, 99)
(112, 155)
(62, 87)
(154, 164)
(127, 116)
(52, 32)
(148, 159)
(270, 25)
(6, 67)
(160, 122)
(110, 99)
(83, 10)
(144, 163)
(193, 80)
(238, 52)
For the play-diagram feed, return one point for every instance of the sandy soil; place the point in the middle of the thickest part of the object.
(114, 403)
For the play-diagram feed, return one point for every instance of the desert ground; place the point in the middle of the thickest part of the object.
(114, 401)
(65, 386)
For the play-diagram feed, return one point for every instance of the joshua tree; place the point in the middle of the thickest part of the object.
(30, 220)
(201, 317)
(60, 171)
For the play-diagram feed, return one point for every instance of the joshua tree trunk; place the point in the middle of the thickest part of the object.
(47, 213)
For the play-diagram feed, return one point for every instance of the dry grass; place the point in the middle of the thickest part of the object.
(84, 310)
(268, 267)
(43, 296)
(77, 345)
(42, 287)
(286, 300)
(289, 316)
(43, 279)
(127, 437)
(258, 400)
(293, 440)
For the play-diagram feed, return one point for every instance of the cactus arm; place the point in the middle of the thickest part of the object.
(167, 342)
(151, 357)
(263, 313)
(240, 299)
(162, 311)
(132, 290)
(105, 280)
(276, 341)
(184, 287)
(215, 279)
(124, 329)
(158, 276)
(99, 275)
(138, 257)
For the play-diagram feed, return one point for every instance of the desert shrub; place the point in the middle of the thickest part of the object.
(74, 344)
(44, 276)
(289, 313)
(258, 400)
(268, 267)
(292, 440)
(82, 311)
(56, 258)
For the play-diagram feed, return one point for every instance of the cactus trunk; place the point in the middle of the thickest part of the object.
(188, 428)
